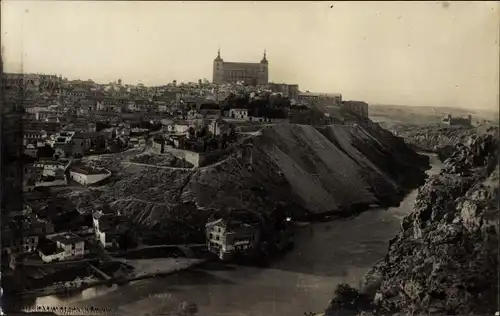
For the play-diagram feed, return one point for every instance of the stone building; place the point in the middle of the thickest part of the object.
(228, 236)
(326, 99)
(232, 72)
(462, 121)
(287, 90)
(358, 107)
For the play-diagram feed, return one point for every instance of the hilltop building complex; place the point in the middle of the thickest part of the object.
(233, 72)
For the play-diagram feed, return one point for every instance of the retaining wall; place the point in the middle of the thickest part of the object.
(197, 159)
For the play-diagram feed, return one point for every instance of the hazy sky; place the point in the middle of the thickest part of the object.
(417, 53)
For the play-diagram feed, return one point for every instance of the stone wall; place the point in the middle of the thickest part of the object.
(197, 159)
(57, 182)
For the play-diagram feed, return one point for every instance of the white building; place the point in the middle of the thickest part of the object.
(58, 179)
(50, 167)
(34, 137)
(177, 128)
(238, 113)
(107, 227)
(31, 150)
(61, 247)
(61, 138)
(86, 175)
(219, 127)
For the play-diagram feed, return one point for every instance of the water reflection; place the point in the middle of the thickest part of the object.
(76, 296)
(325, 255)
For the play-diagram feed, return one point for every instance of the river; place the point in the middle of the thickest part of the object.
(304, 280)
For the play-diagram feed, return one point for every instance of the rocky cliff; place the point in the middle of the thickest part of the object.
(445, 258)
(431, 137)
(436, 137)
(332, 169)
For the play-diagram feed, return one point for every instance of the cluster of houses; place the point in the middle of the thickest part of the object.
(51, 173)
(74, 143)
(29, 236)
(193, 134)
(60, 97)
(65, 113)
(35, 241)
(64, 120)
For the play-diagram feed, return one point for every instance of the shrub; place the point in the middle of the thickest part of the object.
(345, 297)
(346, 294)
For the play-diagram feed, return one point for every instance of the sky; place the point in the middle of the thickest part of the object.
(402, 53)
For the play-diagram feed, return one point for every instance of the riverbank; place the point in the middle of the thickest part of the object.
(148, 268)
(444, 259)
(325, 254)
(143, 269)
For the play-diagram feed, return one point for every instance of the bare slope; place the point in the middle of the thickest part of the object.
(308, 170)
(320, 173)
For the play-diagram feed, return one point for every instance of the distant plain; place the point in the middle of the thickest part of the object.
(425, 115)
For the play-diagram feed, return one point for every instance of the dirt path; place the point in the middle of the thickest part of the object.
(142, 201)
(128, 163)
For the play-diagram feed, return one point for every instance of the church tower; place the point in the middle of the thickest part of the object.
(218, 71)
(264, 70)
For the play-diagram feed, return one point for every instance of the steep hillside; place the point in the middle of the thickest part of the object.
(309, 171)
(386, 161)
(299, 164)
(445, 259)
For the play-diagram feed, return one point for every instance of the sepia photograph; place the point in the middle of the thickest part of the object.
(238, 158)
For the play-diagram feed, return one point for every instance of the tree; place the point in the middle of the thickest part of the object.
(202, 132)
(128, 239)
(345, 293)
(45, 152)
(346, 299)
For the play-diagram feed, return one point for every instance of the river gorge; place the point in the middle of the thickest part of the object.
(325, 255)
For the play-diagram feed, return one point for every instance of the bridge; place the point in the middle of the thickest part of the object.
(99, 272)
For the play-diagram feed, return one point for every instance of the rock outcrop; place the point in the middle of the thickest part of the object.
(436, 138)
(445, 258)
(431, 137)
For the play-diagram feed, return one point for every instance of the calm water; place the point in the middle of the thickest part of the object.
(325, 255)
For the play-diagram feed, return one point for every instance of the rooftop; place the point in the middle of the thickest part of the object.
(48, 163)
(87, 170)
(49, 247)
(231, 224)
(315, 94)
(80, 135)
(68, 238)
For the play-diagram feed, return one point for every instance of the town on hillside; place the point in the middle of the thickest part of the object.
(63, 132)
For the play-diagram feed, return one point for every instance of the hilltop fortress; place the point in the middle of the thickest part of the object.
(232, 72)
